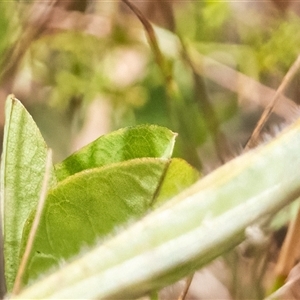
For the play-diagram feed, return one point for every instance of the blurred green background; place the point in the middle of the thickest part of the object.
(84, 68)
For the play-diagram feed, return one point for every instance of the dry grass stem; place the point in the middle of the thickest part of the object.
(188, 283)
(151, 37)
(290, 249)
(270, 107)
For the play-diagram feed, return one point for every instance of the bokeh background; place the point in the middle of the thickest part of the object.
(85, 68)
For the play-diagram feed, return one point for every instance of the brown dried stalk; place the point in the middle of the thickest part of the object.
(252, 142)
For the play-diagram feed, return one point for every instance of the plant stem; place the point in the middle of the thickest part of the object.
(289, 250)
(188, 283)
(152, 40)
(270, 107)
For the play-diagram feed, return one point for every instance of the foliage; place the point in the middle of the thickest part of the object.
(112, 180)
(189, 230)
(59, 68)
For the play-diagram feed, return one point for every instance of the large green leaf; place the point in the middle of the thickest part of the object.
(188, 231)
(22, 172)
(88, 205)
(124, 144)
(91, 204)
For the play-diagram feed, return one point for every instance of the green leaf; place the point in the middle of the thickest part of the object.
(124, 144)
(89, 205)
(22, 172)
(188, 231)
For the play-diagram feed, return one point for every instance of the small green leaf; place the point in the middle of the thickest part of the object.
(22, 172)
(124, 144)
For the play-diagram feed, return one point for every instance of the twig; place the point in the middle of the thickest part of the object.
(33, 230)
(152, 39)
(188, 283)
(270, 107)
(289, 250)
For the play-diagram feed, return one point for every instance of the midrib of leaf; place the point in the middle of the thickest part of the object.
(159, 183)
